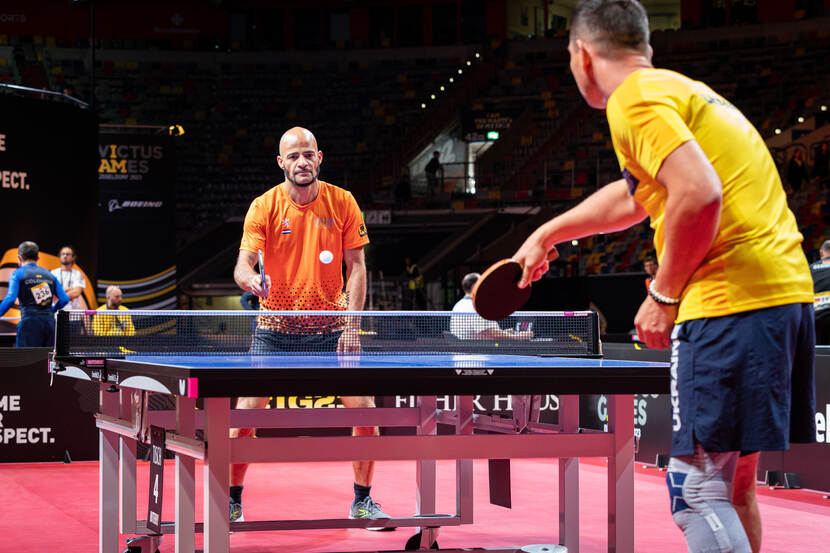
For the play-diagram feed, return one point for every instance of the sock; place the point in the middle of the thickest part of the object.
(236, 494)
(361, 492)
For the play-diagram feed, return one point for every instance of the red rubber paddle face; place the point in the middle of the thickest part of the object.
(496, 294)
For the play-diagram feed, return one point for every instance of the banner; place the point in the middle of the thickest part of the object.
(43, 419)
(48, 186)
(136, 176)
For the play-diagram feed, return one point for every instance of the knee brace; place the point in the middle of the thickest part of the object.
(700, 490)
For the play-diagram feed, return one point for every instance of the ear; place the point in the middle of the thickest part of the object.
(650, 53)
(320, 157)
(585, 58)
(280, 162)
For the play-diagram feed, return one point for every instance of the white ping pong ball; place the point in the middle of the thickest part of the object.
(326, 257)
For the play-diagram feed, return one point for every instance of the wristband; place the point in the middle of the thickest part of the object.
(660, 298)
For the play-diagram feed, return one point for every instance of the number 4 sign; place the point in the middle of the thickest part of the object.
(156, 479)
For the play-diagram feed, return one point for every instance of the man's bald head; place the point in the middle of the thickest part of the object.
(299, 157)
(298, 137)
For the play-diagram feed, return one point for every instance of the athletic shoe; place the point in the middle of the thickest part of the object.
(236, 512)
(366, 508)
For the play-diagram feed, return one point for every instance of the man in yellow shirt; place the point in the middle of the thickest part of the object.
(733, 293)
(113, 325)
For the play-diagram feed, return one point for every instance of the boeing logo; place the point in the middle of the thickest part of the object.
(115, 205)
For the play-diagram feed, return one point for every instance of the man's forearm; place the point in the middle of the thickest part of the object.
(609, 209)
(356, 288)
(242, 276)
(74, 292)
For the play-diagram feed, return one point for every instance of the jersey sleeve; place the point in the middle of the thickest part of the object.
(254, 230)
(355, 234)
(11, 295)
(646, 128)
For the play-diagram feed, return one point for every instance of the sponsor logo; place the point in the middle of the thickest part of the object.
(115, 205)
(361, 230)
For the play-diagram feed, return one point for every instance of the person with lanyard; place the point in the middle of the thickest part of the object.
(733, 296)
(71, 279)
(34, 288)
(821, 288)
(113, 325)
(307, 229)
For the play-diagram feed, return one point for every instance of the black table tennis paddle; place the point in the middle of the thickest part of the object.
(496, 293)
(263, 282)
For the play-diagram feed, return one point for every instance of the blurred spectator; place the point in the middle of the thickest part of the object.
(821, 287)
(33, 287)
(113, 325)
(474, 327)
(820, 162)
(432, 169)
(415, 295)
(650, 266)
(796, 171)
(71, 279)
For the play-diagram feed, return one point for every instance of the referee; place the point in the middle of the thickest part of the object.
(35, 288)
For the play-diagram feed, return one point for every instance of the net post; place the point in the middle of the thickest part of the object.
(61, 330)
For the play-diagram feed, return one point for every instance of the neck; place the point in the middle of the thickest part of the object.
(610, 74)
(303, 194)
(66, 267)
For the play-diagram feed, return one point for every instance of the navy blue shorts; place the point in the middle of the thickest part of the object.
(744, 382)
(267, 341)
(36, 332)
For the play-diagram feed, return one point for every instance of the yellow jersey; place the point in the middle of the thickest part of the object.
(756, 260)
(113, 325)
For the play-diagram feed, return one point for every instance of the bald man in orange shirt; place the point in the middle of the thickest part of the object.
(306, 228)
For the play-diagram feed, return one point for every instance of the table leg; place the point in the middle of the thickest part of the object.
(569, 478)
(185, 516)
(127, 468)
(107, 476)
(217, 475)
(464, 467)
(621, 475)
(425, 476)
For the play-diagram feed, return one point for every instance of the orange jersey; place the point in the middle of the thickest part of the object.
(303, 248)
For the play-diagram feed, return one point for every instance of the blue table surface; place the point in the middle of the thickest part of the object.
(333, 360)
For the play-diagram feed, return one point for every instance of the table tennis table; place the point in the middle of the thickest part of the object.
(126, 381)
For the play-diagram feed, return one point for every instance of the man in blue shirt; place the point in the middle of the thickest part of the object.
(34, 287)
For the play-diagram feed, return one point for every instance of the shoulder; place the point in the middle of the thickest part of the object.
(465, 305)
(649, 86)
(102, 307)
(336, 194)
(123, 308)
(268, 197)
(56, 272)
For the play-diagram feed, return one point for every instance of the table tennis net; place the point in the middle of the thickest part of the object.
(120, 333)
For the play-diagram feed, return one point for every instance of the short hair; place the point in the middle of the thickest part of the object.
(436, 153)
(71, 247)
(28, 250)
(469, 281)
(611, 25)
(825, 247)
(648, 258)
(112, 288)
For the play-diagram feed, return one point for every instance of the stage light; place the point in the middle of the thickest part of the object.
(432, 96)
(175, 130)
(777, 131)
(800, 119)
(452, 80)
(460, 71)
(478, 55)
(423, 106)
(442, 88)
(823, 108)
(469, 63)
